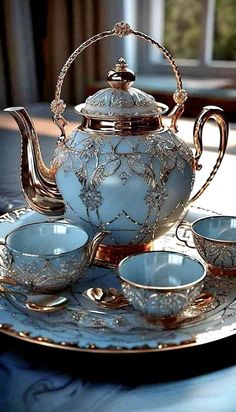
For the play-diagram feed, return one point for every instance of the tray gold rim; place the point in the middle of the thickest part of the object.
(7, 329)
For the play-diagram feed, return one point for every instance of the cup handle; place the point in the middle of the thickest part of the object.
(184, 235)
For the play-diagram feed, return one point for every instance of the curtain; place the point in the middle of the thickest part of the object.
(37, 37)
(18, 72)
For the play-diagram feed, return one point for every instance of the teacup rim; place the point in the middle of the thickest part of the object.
(44, 255)
(163, 288)
(212, 239)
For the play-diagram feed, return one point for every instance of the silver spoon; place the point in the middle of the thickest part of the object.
(109, 298)
(39, 302)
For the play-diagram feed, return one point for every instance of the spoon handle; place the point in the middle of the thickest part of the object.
(4, 290)
(8, 280)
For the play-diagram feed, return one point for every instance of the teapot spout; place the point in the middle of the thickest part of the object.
(95, 242)
(38, 181)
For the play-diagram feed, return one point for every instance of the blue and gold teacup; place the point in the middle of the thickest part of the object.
(49, 256)
(215, 240)
(161, 283)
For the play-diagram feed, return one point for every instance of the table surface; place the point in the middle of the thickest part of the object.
(36, 378)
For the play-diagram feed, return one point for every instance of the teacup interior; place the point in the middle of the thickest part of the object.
(161, 269)
(216, 227)
(46, 238)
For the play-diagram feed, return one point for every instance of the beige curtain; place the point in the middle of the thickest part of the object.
(68, 24)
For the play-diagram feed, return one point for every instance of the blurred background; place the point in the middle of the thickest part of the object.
(37, 37)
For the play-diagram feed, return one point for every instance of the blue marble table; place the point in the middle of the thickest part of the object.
(34, 378)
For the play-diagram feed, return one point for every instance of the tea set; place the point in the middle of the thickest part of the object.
(125, 178)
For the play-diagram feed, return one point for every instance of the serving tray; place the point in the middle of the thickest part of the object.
(84, 326)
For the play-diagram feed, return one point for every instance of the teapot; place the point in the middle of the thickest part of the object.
(121, 169)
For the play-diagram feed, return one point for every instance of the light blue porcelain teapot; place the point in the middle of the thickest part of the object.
(121, 169)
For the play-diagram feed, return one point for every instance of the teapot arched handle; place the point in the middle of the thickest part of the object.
(120, 29)
(215, 113)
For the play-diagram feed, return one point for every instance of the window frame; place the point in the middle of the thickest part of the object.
(138, 12)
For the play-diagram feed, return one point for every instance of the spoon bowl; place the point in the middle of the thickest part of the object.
(109, 298)
(39, 302)
(45, 303)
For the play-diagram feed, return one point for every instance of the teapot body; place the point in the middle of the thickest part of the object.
(136, 186)
(121, 170)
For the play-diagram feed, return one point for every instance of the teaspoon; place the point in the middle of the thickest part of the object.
(109, 298)
(40, 302)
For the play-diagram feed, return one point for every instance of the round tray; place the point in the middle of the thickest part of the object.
(84, 326)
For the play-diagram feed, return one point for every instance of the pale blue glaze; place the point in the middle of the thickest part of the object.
(217, 228)
(46, 239)
(135, 186)
(161, 269)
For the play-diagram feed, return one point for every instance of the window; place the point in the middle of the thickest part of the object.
(200, 35)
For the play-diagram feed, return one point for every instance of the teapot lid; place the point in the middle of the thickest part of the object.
(121, 100)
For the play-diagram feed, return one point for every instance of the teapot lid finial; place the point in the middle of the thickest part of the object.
(121, 77)
(121, 101)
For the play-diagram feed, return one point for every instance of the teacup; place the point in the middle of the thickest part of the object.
(49, 256)
(215, 240)
(161, 283)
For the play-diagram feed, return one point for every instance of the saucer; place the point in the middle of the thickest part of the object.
(85, 327)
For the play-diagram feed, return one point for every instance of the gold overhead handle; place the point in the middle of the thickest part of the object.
(120, 29)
